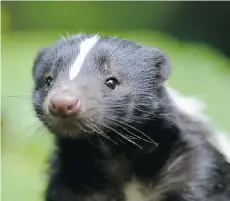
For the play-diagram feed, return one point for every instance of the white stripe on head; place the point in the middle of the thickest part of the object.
(85, 47)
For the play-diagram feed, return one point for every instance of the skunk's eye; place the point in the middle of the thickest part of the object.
(49, 81)
(112, 83)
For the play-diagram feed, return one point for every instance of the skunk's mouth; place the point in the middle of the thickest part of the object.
(69, 127)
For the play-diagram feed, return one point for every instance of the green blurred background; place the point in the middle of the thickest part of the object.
(195, 35)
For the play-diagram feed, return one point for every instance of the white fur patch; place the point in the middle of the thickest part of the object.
(222, 142)
(133, 192)
(191, 106)
(85, 47)
(195, 107)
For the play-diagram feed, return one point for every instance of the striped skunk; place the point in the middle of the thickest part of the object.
(120, 133)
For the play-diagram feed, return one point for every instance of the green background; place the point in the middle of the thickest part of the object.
(192, 34)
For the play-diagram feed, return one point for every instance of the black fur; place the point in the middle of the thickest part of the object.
(132, 131)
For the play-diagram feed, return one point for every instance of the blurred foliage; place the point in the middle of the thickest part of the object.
(198, 70)
(88, 15)
(206, 22)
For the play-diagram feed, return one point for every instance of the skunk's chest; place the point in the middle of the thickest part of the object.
(123, 172)
(137, 191)
(105, 175)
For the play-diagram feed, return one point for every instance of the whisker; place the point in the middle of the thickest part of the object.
(122, 135)
(41, 130)
(134, 136)
(37, 130)
(28, 127)
(151, 140)
(21, 97)
(100, 132)
(93, 144)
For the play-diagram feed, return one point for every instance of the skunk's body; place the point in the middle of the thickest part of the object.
(119, 134)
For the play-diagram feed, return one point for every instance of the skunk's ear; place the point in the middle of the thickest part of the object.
(162, 67)
(38, 59)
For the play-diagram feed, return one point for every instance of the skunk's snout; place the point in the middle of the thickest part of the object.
(64, 104)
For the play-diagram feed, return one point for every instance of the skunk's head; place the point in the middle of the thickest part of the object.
(90, 84)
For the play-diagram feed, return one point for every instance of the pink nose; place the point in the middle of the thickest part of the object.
(64, 105)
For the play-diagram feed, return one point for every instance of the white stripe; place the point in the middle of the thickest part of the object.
(85, 47)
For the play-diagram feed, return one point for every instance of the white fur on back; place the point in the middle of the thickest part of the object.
(85, 47)
(222, 142)
(195, 107)
(191, 106)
